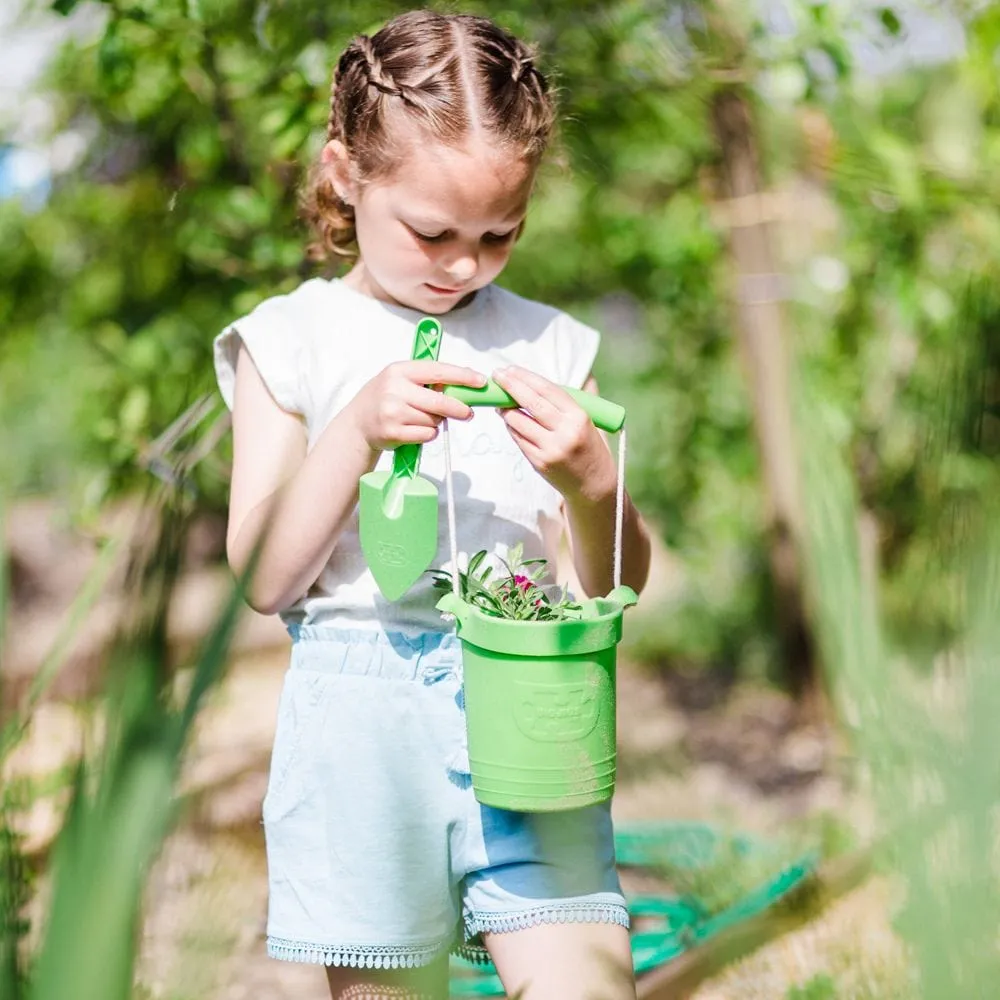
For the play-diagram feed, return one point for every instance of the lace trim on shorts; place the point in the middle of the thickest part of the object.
(356, 956)
(579, 912)
(475, 953)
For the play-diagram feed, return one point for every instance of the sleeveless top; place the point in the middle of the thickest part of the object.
(318, 345)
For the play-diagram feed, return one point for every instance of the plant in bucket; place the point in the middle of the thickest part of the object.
(539, 673)
(516, 595)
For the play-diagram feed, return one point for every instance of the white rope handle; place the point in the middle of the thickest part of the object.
(450, 495)
(620, 507)
(450, 492)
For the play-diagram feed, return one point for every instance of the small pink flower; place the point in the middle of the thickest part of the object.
(522, 582)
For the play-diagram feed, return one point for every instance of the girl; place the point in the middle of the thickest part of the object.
(380, 860)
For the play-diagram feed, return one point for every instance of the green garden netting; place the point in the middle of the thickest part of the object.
(712, 881)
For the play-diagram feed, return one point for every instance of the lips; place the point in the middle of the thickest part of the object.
(443, 291)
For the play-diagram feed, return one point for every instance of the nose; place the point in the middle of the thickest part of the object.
(464, 267)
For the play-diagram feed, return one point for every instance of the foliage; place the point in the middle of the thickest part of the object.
(180, 215)
(122, 804)
(16, 885)
(515, 595)
(926, 747)
(916, 312)
(819, 987)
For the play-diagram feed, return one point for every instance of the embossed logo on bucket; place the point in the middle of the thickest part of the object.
(556, 713)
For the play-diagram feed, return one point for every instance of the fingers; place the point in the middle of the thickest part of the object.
(523, 426)
(438, 373)
(420, 435)
(524, 441)
(438, 404)
(407, 384)
(544, 400)
(412, 435)
(416, 416)
(411, 426)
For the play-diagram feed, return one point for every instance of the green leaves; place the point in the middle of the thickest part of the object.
(116, 60)
(516, 594)
(889, 20)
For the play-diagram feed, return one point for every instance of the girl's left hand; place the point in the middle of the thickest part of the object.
(557, 437)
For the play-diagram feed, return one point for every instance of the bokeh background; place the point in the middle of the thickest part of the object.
(785, 218)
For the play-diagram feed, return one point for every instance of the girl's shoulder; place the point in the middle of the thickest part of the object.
(279, 334)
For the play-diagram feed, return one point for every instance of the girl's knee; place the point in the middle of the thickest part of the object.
(573, 961)
(429, 983)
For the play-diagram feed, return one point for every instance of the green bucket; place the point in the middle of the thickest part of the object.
(540, 704)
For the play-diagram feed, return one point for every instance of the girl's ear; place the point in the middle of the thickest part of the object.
(337, 162)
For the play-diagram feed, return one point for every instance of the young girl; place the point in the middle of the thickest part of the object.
(380, 859)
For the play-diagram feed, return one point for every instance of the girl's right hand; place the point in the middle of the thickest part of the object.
(398, 407)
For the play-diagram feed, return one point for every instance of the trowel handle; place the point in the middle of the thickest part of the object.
(605, 414)
(426, 347)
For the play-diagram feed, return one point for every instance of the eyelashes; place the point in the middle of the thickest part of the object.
(427, 237)
(494, 239)
(499, 238)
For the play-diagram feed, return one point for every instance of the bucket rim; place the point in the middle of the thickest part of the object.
(564, 637)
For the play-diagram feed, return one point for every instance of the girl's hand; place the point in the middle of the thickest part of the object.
(557, 437)
(397, 407)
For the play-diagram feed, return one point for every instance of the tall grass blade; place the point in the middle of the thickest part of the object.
(13, 876)
(124, 804)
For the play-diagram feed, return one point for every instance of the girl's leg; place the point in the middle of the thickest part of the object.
(571, 961)
(428, 983)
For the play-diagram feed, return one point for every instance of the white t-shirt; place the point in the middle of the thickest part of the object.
(317, 346)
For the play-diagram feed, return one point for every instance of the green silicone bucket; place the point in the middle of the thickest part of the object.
(540, 705)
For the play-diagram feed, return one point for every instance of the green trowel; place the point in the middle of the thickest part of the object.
(398, 510)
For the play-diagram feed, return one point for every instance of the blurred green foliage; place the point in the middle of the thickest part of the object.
(200, 118)
(819, 987)
(925, 748)
(123, 799)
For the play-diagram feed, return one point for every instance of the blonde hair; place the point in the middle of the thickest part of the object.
(451, 75)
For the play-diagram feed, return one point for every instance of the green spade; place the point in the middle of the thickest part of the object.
(398, 510)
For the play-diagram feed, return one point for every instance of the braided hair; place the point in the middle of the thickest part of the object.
(450, 75)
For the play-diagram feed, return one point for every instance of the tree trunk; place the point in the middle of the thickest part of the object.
(760, 329)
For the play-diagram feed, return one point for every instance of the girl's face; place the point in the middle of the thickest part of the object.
(441, 226)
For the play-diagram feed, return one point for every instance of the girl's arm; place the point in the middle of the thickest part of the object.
(295, 505)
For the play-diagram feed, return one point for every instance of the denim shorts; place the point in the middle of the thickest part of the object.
(378, 853)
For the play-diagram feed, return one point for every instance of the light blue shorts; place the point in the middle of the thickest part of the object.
(378, 853)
